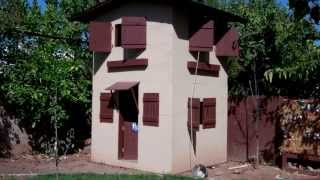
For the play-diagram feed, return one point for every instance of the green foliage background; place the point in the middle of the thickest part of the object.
(45, 71)
(275, 46)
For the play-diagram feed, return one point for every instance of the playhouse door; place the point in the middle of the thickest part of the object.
(128, 121)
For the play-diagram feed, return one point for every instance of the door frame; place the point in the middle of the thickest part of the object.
(121, 137)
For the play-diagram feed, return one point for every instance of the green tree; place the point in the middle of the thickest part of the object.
(45, 74)
(276, 49)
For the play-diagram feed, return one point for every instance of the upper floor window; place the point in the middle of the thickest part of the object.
(201, 36)
(228, 44)
(100, 36)
(133, 33)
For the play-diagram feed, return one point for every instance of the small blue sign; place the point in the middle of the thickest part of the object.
(134, 127)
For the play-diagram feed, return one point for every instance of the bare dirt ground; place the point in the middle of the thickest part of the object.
(221, 172)
(40, 164)
(80, 163)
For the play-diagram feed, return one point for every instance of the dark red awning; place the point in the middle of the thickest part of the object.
(122, 85)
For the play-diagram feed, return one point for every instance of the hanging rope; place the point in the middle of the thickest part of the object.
(191, 118)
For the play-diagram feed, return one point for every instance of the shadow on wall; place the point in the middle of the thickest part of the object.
(224, 62)
(132, 53)
(193, 140)
(99, 59)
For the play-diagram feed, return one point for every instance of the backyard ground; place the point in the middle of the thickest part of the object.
(80, 163)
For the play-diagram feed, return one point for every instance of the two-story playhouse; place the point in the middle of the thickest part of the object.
(148, 86)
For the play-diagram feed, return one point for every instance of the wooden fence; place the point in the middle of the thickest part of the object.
(242, 114)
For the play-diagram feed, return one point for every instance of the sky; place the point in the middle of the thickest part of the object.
(40, 2)
(283, 2)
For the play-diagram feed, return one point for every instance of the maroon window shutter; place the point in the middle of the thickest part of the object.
(209, 113)
(133, 32)
(195, 113)
(228, 45)
(106, 107)
(204, 69)
(151, 109)
(100, 36)
(202, 39)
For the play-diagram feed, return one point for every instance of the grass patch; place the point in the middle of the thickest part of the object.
(100, 177)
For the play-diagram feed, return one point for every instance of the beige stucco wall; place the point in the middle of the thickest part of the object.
(211, 144)
(154, 143)
(165, 148)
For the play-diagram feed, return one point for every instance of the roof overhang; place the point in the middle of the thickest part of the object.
(194, 7)
(120, 86)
